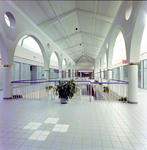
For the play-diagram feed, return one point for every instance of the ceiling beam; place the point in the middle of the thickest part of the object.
(76, 57)
(95, 36)
(79, 59)
(95, 53)
(90, 54)
(92, 45)
(72, 47)
(74, 52)
(66, 38)
(81, 32)
(56, 20)
(89, 59)
(68, 14)
(98, 16)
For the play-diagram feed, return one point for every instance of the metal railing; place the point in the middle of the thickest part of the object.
(114, 90)
(40, 89)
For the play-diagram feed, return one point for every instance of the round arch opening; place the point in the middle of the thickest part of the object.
(28, 60)
(119, 58)
(119, 51)
(54, 66)
(143, 57)
(10, 20)
(128, 10)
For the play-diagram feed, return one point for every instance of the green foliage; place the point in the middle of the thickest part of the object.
(106, 89)
(123, 99)
(48, 88)
(96, 81)
(17, 96)
(66, 89)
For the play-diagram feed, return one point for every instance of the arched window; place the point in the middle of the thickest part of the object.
(54, 57)
(119, 51)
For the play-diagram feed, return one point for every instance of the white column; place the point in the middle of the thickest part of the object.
(80, 74)
(47, 74)
(133, 83)
(66, 74)
(142, 73)
(60, 74)
(99, 76)
(109, 74)
(7, 85)
(71, 74)
(102, 75)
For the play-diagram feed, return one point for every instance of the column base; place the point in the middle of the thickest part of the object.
(7, 98)
(132, 102)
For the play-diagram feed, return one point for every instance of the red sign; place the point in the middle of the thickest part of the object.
(124, 61)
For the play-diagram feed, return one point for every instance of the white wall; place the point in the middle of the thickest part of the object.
(84, 66)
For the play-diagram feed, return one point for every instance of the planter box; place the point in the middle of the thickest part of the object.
(63, 101)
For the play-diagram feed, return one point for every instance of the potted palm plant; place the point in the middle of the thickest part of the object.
(66, 90)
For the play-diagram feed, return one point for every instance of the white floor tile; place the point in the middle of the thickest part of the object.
(97, 125)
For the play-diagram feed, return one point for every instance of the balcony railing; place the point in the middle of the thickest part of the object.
(115, 89)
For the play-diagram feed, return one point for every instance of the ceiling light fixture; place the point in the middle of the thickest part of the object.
(76, 30)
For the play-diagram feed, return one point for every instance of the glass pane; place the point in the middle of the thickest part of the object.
(16, 71)
(39, 72)
(43, 72)
(139, 75)
(121, 73)
(145, 78)
(125, 70)
(26, 73)
(145, 63)
(118, 73)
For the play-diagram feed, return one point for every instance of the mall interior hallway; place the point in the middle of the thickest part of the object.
(78, 125)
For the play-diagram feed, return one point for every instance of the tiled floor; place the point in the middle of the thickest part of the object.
(78, 125)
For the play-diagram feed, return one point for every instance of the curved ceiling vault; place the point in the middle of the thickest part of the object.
(79, 28)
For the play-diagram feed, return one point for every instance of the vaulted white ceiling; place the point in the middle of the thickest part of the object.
(59, 20)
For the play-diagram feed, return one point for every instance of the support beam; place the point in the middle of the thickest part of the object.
(81, 32)
(68, 14)
(91, 52)
(89, 59)
(66, 49)
(97, 47)
(76, 57)
(74, 52)
(66, 38)
(56, 20)
(79, 59)
(98, 16)
(95, 36)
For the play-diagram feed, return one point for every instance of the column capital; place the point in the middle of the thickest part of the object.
(7, 65)
(109, 69)
(46, 70)
(132, 64)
